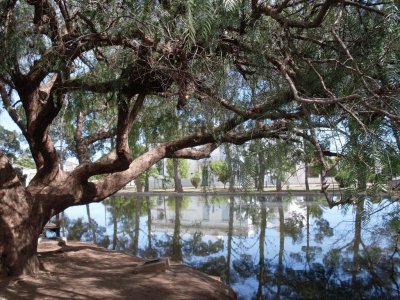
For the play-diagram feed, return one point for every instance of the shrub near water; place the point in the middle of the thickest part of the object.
(195, 180)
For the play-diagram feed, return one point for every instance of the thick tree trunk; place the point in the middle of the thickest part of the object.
(177, 178)
(21, 221)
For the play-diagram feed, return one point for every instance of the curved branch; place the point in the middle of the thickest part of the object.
(194, 153)
(258, 111)
(275, 13)
(315, 100)
(126, 118)
(111, 184)
(81, 142)
(11, 111)
(182, 148)
(40, 117)
(364, 6)
(116, 161)
(103, 188)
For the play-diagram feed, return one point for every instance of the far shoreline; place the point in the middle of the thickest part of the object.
(221, 192)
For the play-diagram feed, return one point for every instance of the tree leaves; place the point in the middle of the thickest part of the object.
(230, 5)
(200, 17)
(9, 142)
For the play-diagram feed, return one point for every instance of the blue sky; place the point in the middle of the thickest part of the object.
(7, 122)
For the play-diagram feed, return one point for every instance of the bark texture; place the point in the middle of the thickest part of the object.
(21, 221)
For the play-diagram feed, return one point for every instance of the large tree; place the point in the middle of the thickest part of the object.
(312, 65)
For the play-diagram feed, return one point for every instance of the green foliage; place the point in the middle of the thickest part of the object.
(367, 160)
(345, 178)
(248, 173)
(219, 200)
(9, 142)
(220, 169)
(152, 172)
(230, 4)
(394, 224)
(183, 168)
(195, 180)
(26, 161)
(199, 19)
(183, 202)
(280, 160)
(316, 210)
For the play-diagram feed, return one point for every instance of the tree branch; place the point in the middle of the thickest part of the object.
(364, 6)
(11, 111)
(275, 13)
(194, 153)
(126, 119)
(81, 142)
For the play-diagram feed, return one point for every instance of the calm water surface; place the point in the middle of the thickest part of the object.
(270, 247)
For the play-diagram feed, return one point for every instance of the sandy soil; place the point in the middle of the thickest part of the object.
(86, 271)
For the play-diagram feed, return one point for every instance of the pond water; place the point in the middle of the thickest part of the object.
(280, 247)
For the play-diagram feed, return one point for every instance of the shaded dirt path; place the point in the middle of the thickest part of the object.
(86, 271)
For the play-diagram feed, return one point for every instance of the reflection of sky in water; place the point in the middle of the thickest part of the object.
(212, 219)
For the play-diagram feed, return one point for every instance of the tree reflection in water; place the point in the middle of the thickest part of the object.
(272, 247)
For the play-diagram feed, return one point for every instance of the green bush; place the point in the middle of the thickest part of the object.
(195, 180)
(345, 179)
(220, 169)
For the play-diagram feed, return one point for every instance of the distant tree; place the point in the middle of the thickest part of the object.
(281, 162)
(25, 160)
(220, 169)
(196, 179)
(177, 169)
(183, 168)
(9, 142)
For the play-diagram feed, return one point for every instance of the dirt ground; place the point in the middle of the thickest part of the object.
(86, 271)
